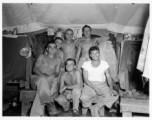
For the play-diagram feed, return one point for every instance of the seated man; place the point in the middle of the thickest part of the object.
(70, 87)
(46, 70)
(59, 53)
(94, 72)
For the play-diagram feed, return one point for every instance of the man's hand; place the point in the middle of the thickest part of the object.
(62, 89)
(113, 92)
(56, 74)
(98, 91)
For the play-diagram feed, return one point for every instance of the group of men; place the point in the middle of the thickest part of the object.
(72, 71)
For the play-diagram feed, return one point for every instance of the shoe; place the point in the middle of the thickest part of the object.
(54, 113)
(76, 113)
(112, 110)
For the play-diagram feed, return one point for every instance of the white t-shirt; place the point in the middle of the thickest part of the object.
(96, 73)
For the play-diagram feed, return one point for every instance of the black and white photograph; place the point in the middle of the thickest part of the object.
(75, 59)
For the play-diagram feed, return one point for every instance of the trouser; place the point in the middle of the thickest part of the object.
(88, 95)
(46, 90)
(64, 99)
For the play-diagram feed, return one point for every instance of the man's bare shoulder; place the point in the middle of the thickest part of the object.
(41, 56)
(81, 42)
(60, 52)
(77, 72)
(58, 59)
(64, 75)
(63, 45)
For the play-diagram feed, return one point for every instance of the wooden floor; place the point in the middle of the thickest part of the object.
(13, 91)
(16, 111)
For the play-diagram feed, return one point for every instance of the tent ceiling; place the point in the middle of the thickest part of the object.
(121, 18)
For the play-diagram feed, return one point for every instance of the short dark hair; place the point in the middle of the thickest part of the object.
(70, 59)
(86, 27)
(58, 38)
(93, 48)
(50, 42)
(69, 30)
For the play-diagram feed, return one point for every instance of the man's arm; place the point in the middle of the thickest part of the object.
(37, 65)
(62, 59)
(77, 41)
(57, 72)
(95, 41)
(111, 91)
(78, 55)
(109, 79)
(62, 85)
(79, 81)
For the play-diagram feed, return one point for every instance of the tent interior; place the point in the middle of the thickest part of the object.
(32, 25)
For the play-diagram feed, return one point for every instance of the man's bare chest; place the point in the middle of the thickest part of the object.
(86, 45)
(70, 79)
(49, 62)
(69, 46)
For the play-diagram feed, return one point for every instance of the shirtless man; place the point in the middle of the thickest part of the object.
(70, 87)
(84, 45)
(46, 70)
(69, 46)
(59, 53)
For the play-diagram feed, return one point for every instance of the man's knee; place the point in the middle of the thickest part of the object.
(37, 80)
(86, 101)
(84, 98)
(61, 99)
(76, 92)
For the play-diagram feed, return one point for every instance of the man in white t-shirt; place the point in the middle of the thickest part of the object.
(96, 89)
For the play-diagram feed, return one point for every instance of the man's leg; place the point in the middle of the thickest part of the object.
(43, 91)
(53, 91)
(38, 82)
(76, 98)
(108, 99)
(61, 99)
(86, 98)
(37, 109)
(95, 109)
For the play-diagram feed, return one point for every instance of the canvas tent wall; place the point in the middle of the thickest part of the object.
(117, 18)
(120, 18)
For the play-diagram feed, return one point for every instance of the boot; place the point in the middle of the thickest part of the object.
(51, 109)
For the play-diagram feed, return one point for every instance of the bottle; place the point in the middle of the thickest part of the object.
(14, 102)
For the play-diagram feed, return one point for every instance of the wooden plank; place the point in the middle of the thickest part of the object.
(134, 105)
(126, 114)
(27, 95)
